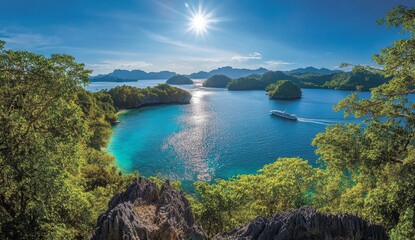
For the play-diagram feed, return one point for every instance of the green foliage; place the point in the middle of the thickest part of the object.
(160, 180)
(286, 184)
(358, 79)
(378, 160)
(54, 180)
(273, 77)
(179, 80)
(405, 228)
(132, 97)
(284, 89)
(217, 81)
(246, 83)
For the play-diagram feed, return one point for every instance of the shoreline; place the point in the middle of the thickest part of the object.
(121, 112)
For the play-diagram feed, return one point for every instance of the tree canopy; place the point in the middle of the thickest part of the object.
(284, 89)
(133, 97)
(179, 80)
(376, 161)
(217, 81)
(54, 180)
(246, 83)
(360, 78)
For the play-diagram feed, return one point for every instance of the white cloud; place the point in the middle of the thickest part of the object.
(244, 58)
(276, 63)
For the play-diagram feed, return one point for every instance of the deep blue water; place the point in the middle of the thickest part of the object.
(221, 133)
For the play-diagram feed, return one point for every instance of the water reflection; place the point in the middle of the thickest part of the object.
(191, 143)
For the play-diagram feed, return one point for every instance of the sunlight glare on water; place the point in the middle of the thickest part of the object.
(190, 144)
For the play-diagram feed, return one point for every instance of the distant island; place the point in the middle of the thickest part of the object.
(284, 89)
(217, 81)
(179, 80)
(258, 79)
(358, 79)
(125, 97)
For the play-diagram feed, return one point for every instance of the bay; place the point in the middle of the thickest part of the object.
(220, 133)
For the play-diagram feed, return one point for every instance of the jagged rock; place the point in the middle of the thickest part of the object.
(307, 223)
(144, 211)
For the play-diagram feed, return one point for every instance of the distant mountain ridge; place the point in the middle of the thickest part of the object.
(312, 70)
(120, 75)
(228, 71)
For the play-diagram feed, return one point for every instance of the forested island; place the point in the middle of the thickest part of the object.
(179, 80)
(56, 182)
(132, 97)
(247, 83)
(283, 89)
(217, 81)
(359, 78)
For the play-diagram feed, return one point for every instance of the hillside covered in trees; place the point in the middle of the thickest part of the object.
(132, 97)
(179, 80)
(283, 89)
(359, 78)
(217, 81)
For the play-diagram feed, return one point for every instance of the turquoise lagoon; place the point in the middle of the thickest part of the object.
(220, 133)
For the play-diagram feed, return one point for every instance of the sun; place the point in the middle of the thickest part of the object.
(199, 23)
(200, 20)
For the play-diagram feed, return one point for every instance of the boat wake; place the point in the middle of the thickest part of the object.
(322, 121)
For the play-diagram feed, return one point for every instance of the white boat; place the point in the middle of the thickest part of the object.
(283, 114)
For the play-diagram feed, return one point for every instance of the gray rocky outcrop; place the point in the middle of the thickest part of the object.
(144, 211)
(307, 223)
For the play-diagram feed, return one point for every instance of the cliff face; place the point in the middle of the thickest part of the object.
(307, 223)
(144, 211)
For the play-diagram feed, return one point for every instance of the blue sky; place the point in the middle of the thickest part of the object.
(154, 35)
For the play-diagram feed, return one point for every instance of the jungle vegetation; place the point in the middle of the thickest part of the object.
(283, 89)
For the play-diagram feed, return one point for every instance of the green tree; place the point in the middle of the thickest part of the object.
(374, 164)
(54, 180)
(284, 185)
